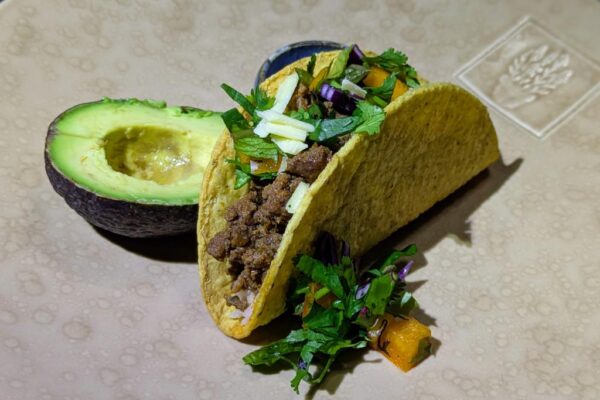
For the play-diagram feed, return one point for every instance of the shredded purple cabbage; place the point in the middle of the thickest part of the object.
(355, 56)
(405, 270)
(362, 291)
(345, 249)
(363, 312)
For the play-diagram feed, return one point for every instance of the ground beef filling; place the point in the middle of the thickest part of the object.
(309, 164)
(257, 221)
(302, 98)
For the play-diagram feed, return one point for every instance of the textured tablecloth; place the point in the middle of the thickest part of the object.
(509, 272)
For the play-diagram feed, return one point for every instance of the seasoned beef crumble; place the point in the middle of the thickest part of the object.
(309, 164)
(302, 98)
(257, 221)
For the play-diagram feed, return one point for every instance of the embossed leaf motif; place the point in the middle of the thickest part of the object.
(535, 72)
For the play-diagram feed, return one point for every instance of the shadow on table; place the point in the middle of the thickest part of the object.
(179, 249)
(449, 217)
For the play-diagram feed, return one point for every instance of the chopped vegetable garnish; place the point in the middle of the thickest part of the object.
(292, 204)
(395, 61)
(371, 117)
(289, 146)
(285, 92)
(278, 118)
(341, 309)
(347, 96)
(286, 131)
(256, 147)
(342, 103)
(356, 55)
(353, 88)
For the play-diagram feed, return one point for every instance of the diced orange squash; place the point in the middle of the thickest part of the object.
(266, 165)
(399, 89)
(244, 159)
(309, 299)
(405, 342)
(377, 75)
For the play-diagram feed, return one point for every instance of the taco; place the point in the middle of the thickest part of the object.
(353, 144)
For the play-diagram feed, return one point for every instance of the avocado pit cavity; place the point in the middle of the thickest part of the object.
(151, 153)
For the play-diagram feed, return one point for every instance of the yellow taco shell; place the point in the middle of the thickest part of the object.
(433, 140)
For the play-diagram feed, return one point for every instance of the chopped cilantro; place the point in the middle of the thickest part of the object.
(260, 99)
(355, 73)
(367, 117)
(239, 98)
(242, 173)
(344, 322)
(310, 68)
(234, 120)
(386, 89)
(371, 117)
(334, 127)
(256, 147)
(395, 61)
(305, 76)
(310, 115)
(241, 178)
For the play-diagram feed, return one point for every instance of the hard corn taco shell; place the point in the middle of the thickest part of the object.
(433, 140)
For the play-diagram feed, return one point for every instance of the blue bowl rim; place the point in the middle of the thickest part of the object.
(261, 74)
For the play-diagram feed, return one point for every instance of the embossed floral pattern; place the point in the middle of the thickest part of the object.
(535, 72)
(533, 78)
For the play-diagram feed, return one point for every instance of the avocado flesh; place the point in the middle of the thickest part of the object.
(134, 151)
(132, 167)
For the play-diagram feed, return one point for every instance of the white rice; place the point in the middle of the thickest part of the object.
(247, 313)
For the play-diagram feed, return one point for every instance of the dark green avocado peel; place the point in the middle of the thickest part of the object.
(132, 167)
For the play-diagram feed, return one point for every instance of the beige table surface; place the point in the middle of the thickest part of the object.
(510, 276)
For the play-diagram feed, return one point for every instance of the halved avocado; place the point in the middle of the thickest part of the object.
(132, 167)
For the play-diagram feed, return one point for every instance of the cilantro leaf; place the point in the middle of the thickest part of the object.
(310, 68)
(318, 272)
(312, 114)
(386, 89)
(234, 120)
(371, 117)
(242, 173)
(241, 178)
(332, 326)
(256, 147)
(267, 176)
(239, 98)
(300, 335)
(401, 303)
(379, 294)
(391, 259)
(260, 98)
(301, 374)
(330, 128)
(395, 61)
(305, 77)
(391, 60)
(355, 73)
(272, 353)
(327, 321)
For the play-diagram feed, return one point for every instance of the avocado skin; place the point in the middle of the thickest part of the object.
(135, 220)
